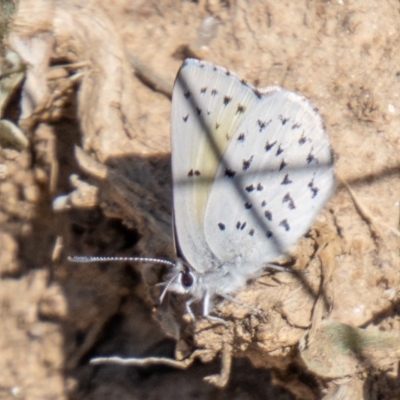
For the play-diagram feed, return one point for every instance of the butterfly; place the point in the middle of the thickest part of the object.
(251, 169)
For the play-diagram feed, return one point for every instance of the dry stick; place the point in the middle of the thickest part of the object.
(219, 380)
(75, 65)
(222, 378)
(150, 78)
(324, 300)
(35, 117)
(54, 166)
(366, 215)
(54, 170)
(70, 82)
(58, 246)
(145, 362)
(10, 72)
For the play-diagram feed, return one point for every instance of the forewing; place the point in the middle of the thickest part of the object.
(276, 176)
(208, 104)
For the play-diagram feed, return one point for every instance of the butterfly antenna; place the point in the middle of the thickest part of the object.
(167, 285)
(88, 259)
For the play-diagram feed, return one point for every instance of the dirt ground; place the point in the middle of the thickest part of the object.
(91, 175)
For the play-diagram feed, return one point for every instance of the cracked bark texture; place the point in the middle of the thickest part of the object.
(95, 180)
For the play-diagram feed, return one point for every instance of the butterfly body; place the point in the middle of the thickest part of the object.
(251, 170)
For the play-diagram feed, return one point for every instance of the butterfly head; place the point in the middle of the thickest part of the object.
(185, 280)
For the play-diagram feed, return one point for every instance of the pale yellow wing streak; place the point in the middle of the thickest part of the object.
(208, 105)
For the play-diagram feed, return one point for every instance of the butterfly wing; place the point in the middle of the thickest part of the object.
(208, 104)
(275, 177)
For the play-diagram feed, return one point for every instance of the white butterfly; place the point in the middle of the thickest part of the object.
(251, 170)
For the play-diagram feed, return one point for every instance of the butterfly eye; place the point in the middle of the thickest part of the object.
(187, 279)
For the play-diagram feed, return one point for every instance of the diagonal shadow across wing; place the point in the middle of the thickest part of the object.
(262, 222)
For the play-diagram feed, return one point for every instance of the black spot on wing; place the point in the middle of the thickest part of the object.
(241, 138)
(287, 198)
(262, 124)
(268, 215)
(198, 110)
(285, 225)
(248, 205)
(283, 165)
(203, 90)
(238, 225)
(243, 226)
(260, 187)
(221, 226)
(296, 125)
(279, 151)
(269, 234)
(214, 92)
(257, 93)
(187, 94)
(251, 232)
(311, 158)
(283, 119)
(302, 139)
(286, 180)
(269, 146)
(227, 100)
(250, 188)
(230, 173)
(247, 163)
(192, 173)
(185, 118)
(240, 109)
(263, 203)
(314, 189)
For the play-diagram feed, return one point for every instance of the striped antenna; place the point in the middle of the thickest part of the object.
(167, 285)
(88, 259)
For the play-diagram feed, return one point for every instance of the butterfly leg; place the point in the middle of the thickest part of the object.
(255, 310)
(189, 310)
(206, 304)
(206, 310)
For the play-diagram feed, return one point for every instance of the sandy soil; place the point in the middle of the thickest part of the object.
(93, 178)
